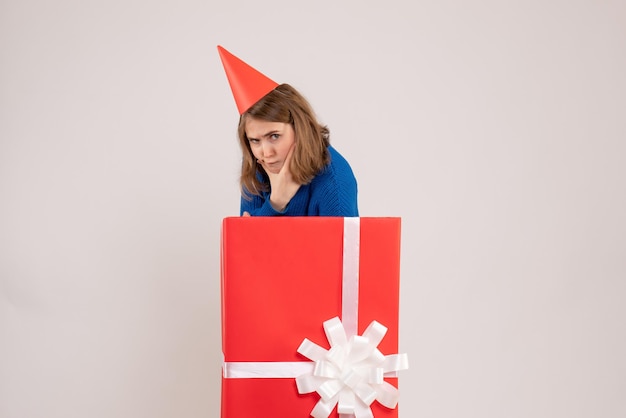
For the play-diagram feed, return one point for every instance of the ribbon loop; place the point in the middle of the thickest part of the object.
(395, 362)
(387, 395)
(360, 349)
(308, 383)
(346, 403)
(335, 332)
(329, 389)
(311, 350)
(323, 409)
(375, 332)
(351, 378)
(366, 393)
(376, 376)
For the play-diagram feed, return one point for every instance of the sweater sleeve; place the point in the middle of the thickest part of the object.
(336, 189)
(257, 206)
(338, 200)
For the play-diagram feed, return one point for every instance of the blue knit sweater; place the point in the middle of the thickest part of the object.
(332, 192)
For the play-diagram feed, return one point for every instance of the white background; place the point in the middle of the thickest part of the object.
(495, 129)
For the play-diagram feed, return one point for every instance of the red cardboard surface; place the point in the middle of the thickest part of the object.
(281, 279)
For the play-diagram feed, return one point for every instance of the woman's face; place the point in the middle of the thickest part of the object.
(270, 142)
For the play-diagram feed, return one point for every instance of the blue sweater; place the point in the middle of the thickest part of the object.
(332, 192)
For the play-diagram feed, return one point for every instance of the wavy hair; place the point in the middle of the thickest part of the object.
(284, 104)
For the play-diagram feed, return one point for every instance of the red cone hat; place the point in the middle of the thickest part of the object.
(248, 85)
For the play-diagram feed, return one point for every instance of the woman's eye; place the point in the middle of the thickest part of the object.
(253, 141)
(275, 136)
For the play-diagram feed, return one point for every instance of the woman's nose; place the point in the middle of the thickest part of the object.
(267, 149)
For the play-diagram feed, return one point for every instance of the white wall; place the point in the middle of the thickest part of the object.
(496, 130)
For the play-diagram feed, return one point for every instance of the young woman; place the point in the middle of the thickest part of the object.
(288, 167)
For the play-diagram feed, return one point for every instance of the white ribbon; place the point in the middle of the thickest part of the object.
(350, 279)
(350, 374)
(264, 369)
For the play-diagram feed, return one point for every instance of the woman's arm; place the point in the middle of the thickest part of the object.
(257, 206)
(336, 188)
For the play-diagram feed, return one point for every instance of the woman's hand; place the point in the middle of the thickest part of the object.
(282, 184)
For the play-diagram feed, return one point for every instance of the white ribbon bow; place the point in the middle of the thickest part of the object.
(350, 374)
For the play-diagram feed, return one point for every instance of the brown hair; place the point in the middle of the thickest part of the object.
(285, 104)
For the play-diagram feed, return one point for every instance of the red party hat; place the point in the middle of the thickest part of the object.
(248, 85)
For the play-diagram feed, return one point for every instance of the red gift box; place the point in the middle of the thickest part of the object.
(281, 279)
